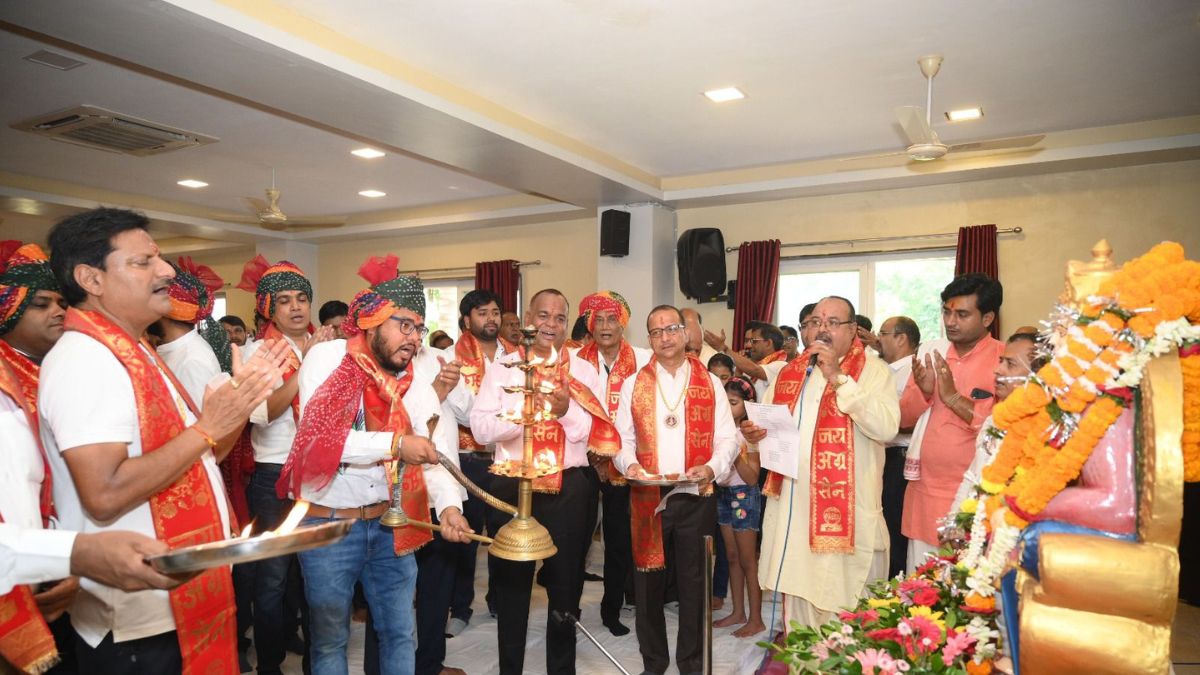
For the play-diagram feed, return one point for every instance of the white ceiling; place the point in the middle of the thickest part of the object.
(821, 77)
(549, 107)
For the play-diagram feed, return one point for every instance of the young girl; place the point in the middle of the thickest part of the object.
(738, 507)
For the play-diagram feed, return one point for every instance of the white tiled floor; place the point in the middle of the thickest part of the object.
(475, 649)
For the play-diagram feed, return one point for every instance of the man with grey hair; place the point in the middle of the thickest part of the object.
(899, 338)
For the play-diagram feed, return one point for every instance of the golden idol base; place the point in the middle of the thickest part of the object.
(523, 539)
(513, 468)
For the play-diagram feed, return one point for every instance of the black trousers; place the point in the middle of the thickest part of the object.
(685, 521)
(565, 515)
(475, 466)
(894, 487)
(618, 549)
(154, 654)
(436, 569)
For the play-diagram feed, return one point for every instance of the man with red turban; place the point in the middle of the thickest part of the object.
(607, 315)
(361, 412)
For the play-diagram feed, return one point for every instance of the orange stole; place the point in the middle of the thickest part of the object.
(831, 465)
(184, 513)
(698, 426)
(468, 351)
(19, 379)
(549, 436)
(383, 403)
(25, 639)
(625, 366)
(291, 364)
(778, 355)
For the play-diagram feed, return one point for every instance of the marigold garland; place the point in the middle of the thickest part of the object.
(1190, 364)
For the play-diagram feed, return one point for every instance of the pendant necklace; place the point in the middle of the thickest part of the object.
(672, 420)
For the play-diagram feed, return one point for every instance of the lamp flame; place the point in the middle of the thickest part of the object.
(293, 518)
(545, 460)
(246, 531)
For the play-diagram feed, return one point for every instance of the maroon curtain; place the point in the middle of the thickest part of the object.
(977, 253)
(757, 284)
(501, 277)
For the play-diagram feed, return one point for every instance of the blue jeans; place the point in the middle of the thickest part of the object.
(270, 576)
(389, 582)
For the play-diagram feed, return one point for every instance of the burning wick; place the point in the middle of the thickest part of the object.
(293, 519)
(246, 531)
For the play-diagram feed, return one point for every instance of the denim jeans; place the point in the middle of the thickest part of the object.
(389, 582)
(270, 575)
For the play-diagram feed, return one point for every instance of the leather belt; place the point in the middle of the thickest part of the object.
(368, 512)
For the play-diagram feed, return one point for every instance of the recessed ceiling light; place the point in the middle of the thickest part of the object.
(367, 153)
(192, 183)
(373, 194)
(723, 95)
(964, 115)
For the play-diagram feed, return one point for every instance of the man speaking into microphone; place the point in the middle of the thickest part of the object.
(824, 537)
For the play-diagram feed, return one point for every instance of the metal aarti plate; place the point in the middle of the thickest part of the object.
(234, 551)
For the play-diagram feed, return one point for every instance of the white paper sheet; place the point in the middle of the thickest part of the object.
(780, 450)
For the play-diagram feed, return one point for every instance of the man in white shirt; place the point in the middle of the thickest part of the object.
(615, 360)
(478, 347)
(674, 419)
(764, 357)
(561, 500)
(363, 408)
(899, 338)
(282, 296)
(194, 347)
(824, 537)
(128, 452)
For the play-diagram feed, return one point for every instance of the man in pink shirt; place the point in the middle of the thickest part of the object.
(958, 389)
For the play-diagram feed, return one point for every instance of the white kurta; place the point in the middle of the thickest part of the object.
(832, 580)
(193, 362)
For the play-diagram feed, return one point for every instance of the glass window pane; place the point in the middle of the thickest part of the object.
(219, 306)
(441, 307)
(797, 290)
(912, 287)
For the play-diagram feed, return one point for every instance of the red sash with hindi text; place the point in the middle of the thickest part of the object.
(625, 365)
(549, 437)
(185, 513)
(831, 464)
(698, 427)
(468, 351)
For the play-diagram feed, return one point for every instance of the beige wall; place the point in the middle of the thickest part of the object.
(1062, 215)
(567, 249)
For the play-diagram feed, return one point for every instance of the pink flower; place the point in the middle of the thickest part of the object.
(957, 642)
(820, 651)
(909, 587)
(870, 659)
(863, 618)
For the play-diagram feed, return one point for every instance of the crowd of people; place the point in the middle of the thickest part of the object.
(135, 423)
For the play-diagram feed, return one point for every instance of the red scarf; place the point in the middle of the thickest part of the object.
(468, 351)
(184, 513)
(831, 466)
(291, 364)
(778, 355)
(19, 379)
(626, 365)
(25, 640)
(698, 425)
(549, 437)
(329, 415)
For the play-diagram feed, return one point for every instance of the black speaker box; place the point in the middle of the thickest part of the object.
(614, 233)
(700, 253)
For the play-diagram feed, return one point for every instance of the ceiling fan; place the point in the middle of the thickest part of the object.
(268, 214)
(924, 144)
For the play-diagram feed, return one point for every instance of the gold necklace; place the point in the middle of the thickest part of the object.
(671, 420)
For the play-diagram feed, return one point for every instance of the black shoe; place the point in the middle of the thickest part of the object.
(588, 576)
(616, 628)
(294, 644)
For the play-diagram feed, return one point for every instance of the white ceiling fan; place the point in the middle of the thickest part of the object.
(924, 144)
(268, 214)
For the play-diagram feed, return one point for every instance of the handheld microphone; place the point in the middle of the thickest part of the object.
(812, 360)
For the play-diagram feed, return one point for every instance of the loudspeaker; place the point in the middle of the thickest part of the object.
(700, 253)
(614, 233)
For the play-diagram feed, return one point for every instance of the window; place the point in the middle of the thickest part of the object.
(219, 306)
(441, 303)
(880, 285)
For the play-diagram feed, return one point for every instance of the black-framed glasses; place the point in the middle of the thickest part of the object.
(890, 332)
(832, 324)
(407, 326)
(753, 341)
(673, 329)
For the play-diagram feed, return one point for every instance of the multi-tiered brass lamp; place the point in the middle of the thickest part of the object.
(523, 538)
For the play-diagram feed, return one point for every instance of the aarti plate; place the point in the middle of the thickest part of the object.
(241, 550)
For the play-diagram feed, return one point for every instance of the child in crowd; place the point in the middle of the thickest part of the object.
(738, 514)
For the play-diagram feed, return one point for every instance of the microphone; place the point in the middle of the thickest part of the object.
(812, 360)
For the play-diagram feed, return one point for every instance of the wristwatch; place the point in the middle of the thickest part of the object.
(841, 379)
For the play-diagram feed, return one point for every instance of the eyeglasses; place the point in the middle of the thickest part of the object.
(407, 326)
(753, 341)
(673, 329)
(832, 324)
(791, 339)
(890, 332)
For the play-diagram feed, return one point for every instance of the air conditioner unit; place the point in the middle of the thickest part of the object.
(102, 129)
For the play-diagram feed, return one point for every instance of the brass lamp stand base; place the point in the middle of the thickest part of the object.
(523, 539)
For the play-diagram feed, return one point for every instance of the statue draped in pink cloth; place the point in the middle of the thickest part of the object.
(1105, 496)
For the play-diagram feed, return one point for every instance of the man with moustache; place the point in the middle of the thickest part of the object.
(673, 418)
(235, 328)
(615, 360)
(128, 450)
(561, 500)
(361, 411)
(958, 391)
(764, 356)
(282, 297)
(477, 349)
(899, 338)
(807, 330)
(510, 327)
(824, 537)
(791, 342)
